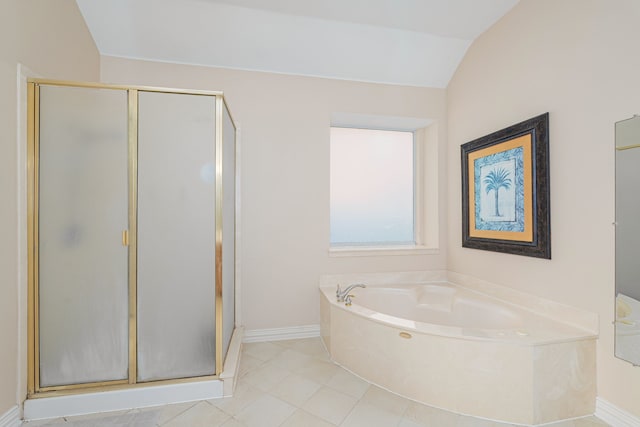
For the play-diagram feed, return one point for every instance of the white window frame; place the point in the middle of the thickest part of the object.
(425, 185)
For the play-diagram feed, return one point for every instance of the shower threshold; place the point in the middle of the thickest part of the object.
(142, 396)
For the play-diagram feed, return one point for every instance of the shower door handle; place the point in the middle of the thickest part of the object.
(125, 237)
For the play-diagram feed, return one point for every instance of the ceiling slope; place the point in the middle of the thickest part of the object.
(406, 42)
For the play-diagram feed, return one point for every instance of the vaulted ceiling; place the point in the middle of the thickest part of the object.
(408, 42)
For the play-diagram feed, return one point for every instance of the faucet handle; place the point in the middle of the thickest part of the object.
(338, 292)
(347, 300)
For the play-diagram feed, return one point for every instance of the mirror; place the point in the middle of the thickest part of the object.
(627, 323)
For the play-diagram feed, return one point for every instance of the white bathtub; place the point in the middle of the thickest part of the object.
(460, 350)
(440, 304)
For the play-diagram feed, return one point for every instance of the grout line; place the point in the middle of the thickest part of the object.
(178, 414)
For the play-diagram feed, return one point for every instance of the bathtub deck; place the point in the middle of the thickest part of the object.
(543, 374)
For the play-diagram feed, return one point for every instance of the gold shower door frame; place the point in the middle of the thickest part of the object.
(33, 336)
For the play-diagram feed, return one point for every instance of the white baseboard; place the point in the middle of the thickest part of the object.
(279, 334)
(615, 416)
(11, 418)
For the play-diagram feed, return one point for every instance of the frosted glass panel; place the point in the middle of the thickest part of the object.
(176, 236)
(83, 286)
(372, 194)
(228, 230)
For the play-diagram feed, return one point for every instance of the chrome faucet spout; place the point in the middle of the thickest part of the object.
(342, 294)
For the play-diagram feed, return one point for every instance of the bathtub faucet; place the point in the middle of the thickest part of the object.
(342, 294)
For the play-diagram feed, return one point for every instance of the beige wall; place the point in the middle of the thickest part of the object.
(50, 39)
(578, 60)
(573, 58)
(284, 122)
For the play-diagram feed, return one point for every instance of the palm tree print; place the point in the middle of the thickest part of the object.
(495, 180)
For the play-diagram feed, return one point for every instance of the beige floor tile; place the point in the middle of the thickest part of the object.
(330, 405)
(348, 383)
(292, 359)
(466, 421)
(581, 422)
(318, 370)
(562, 424)
(324, 357)
(409, 423)
(248, 363)
(38, 423)
(302, 418)
(144, 419)
(264, 351)
(129, 418)
(381, 398)
(243, 395)
(97, 416)
(430, 416)
(266, 377)
(366, 415)
(267, 411)
(167, 412)
(232, 422)
(590, 422)
(202, 414)
(295, 342)
(310, 346)
(296, 389)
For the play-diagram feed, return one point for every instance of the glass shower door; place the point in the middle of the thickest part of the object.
(131, 227)
(176, 236)
(82, 258)
(228, 228)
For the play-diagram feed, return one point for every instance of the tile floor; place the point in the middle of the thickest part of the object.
(293, 384)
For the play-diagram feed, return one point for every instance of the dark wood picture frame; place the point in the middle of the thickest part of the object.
(514, 163)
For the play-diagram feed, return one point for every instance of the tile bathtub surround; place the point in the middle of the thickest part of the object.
(293, 384)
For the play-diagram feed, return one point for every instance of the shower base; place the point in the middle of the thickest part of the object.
(140, 396)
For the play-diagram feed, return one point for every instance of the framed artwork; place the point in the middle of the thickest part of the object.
(505, 190)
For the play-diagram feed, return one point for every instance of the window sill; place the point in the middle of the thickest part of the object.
(349, 251)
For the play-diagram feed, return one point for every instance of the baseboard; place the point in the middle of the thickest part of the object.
(279, 334)
(615, 416)
(11, 418)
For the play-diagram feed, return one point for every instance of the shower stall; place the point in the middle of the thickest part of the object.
(131, 203)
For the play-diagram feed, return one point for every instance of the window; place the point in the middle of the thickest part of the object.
(372, 187)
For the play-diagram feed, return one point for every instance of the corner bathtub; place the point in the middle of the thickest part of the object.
(459, 350)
